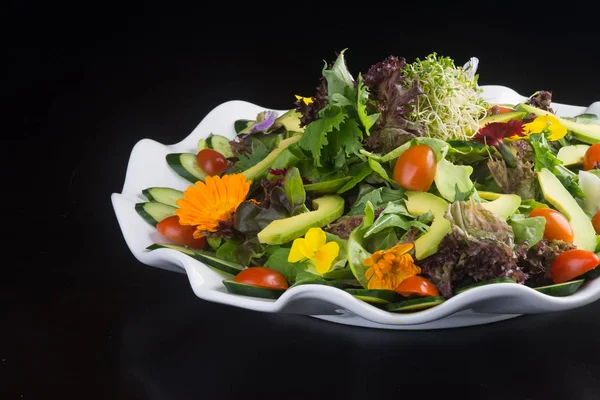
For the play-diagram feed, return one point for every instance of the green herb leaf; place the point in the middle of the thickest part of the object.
(377, 198)
(367, 120)
(228, 251)
(357, 252)
(294, 189)
(365, 171)
(315, 134)
(527, 229)
(279, 262)
(338, 77)
(258, 152)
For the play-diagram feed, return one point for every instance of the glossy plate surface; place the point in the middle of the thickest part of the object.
(147, 168)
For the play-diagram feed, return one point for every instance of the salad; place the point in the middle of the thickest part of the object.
(400, 185)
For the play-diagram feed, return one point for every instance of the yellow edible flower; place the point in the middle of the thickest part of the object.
(387, 268)
(548, 123)
(313, 246)
(306, 100)
(206, 205)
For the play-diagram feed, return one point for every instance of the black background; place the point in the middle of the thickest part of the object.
(82, 318)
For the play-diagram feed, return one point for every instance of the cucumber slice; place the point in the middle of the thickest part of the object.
(202, 256)
(163, 195)
(186, 166)
(153, 212)
(252, 291)
(591, 274)
(484, 283)
(219, 143)
(327, 187)
(415, 304)
(381, 296)
(561, 289)
(201, 145)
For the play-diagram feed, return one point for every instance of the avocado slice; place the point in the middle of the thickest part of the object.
(572, 154)
(290, 121)
(419, 203)
(326, 210)
(261, 168)
(518, 115)
(503, 205)
(556, 194)
(587, 133)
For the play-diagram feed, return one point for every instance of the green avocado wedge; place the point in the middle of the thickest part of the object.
(326, 210)
(419, 203)
(257, 171)
(556, 194)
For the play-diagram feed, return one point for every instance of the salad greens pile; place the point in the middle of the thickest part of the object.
(402, 186)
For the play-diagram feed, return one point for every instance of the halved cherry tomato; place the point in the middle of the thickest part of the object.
(262, 277)
(417, 285)
(596, 222)
(211, 161)
(557, 226)
(415, 168)
(591, 159)
(181, 234)
(571, 264)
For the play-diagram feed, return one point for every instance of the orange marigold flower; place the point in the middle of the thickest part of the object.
(387, 268)
(207, 204)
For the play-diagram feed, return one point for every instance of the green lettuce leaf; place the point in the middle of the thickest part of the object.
(279, 262)
(529, 230)
(451, 179)
(357, 252)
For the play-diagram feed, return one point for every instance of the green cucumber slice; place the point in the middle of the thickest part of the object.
(219, 143)
(415, 304)
(202, 256)
(484, 283)
(561, 289)
(186, 166)
(591, 274)
(252, 291)
(153, 212)
(163, 195)
(380, 296)
(327, 187)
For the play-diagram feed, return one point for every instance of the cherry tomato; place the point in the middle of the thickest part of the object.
(181, 234)
(596, 222)
(591, 159)
(211, 161)
(557, 226)
(262, 277)
(415, 168)
(571, 264)
(501, 109)
(417, 285)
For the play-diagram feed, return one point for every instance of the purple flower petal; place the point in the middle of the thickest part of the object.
(265, 120)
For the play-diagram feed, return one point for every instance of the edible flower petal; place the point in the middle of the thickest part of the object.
(306, 100)
(493, 132)
(387, 268)
(207, 205)
(546, 123)
(264, 121)
(313, 247)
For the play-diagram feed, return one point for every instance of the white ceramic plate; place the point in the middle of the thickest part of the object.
(481, 305)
